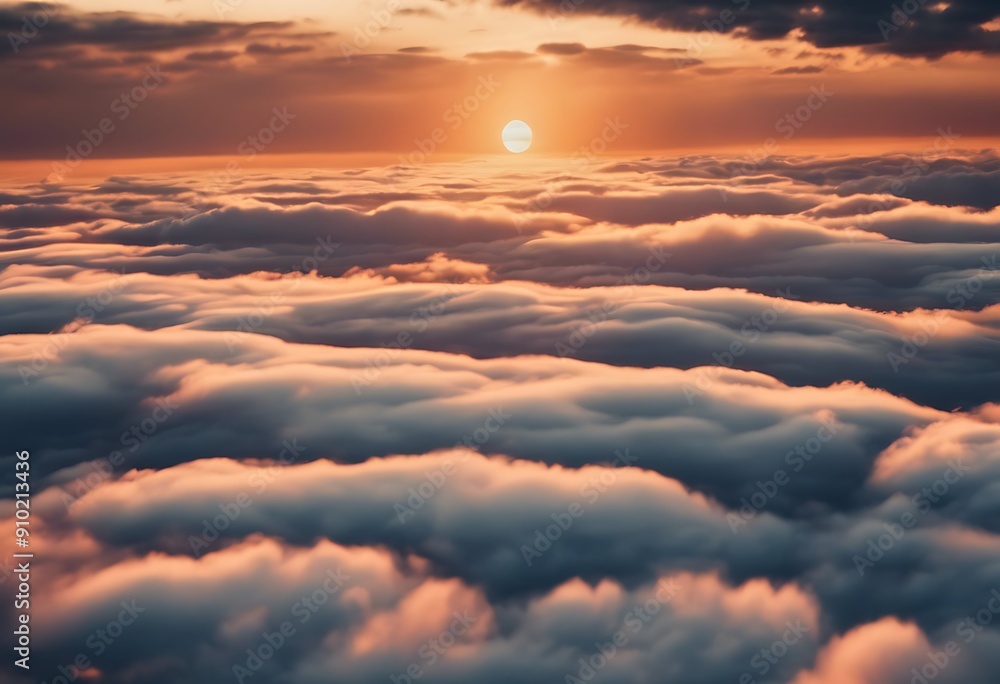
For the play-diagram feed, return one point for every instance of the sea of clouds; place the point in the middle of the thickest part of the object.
(694, 420)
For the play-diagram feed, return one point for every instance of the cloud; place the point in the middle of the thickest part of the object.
(561, 48)
(941, 358)
(232, 394)
(276, 50)
(870, 654)
(339, 606)
(928, 32)
(764, 226)
(810, 69)
(698, 387)
(122, 31)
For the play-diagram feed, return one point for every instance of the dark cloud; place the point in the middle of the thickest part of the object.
(924, 31)
(119, 31)
(812, 69)
(562, 48)
(211, 56)
(939, 185)
(276, 50)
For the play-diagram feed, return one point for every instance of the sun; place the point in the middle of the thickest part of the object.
(516, 136)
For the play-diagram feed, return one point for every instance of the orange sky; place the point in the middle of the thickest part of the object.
(423, 81)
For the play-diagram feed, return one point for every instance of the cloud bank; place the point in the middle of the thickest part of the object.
(691, 419)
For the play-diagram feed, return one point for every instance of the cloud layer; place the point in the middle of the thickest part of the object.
(917, 30)
(686, 420)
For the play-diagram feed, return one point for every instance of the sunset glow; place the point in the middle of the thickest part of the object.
(482, 341)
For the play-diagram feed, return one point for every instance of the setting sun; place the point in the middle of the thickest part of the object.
(516, 136)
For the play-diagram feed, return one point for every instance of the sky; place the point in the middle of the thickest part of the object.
(308, 379)
(378, 79)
